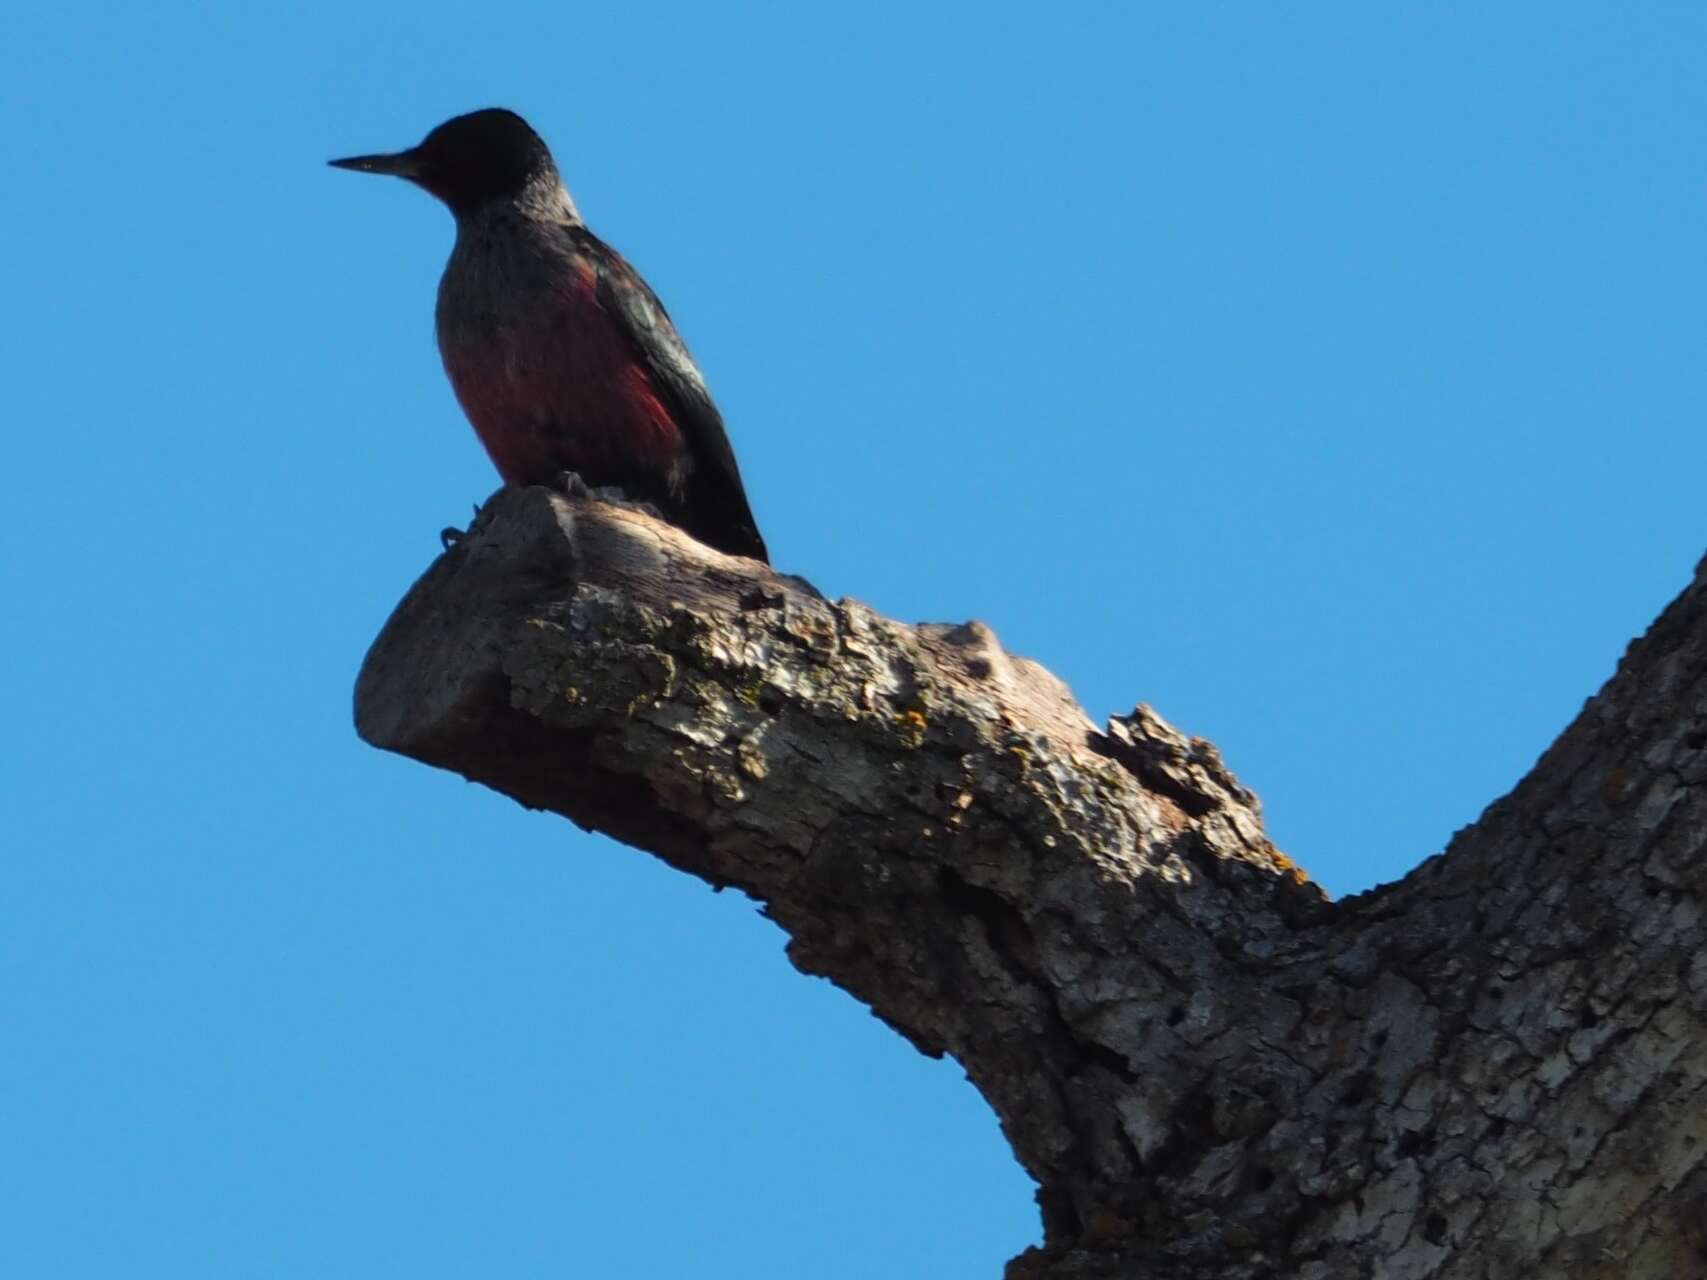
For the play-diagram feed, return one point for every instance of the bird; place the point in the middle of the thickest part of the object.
(562, 357)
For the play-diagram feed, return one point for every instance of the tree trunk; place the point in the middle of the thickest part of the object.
(1495, 1067)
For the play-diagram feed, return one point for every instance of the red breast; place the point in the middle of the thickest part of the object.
(559, 389)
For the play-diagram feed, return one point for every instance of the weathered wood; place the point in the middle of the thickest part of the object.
(1495, 1067)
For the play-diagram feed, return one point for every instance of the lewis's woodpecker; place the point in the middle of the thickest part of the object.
(561, 356)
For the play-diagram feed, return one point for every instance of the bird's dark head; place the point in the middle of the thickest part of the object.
(470, 160)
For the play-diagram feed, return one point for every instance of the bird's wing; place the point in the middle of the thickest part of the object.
(642, 318)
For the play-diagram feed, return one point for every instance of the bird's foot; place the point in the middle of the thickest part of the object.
(450, 535)
(575, 487)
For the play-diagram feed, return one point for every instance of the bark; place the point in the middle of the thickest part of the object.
(1494, 1067)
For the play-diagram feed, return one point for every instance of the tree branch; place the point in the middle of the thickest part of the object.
(1492, 1067)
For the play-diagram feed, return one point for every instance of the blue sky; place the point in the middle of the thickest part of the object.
(1328, 379)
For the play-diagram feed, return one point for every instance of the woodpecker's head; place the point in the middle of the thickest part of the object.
(470, 161)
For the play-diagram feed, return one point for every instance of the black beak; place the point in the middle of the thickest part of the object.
(399, 164)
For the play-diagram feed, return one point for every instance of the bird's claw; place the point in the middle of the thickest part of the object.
(573, 486)
(450, 535)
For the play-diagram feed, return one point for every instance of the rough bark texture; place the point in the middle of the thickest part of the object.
(1493, 1068)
